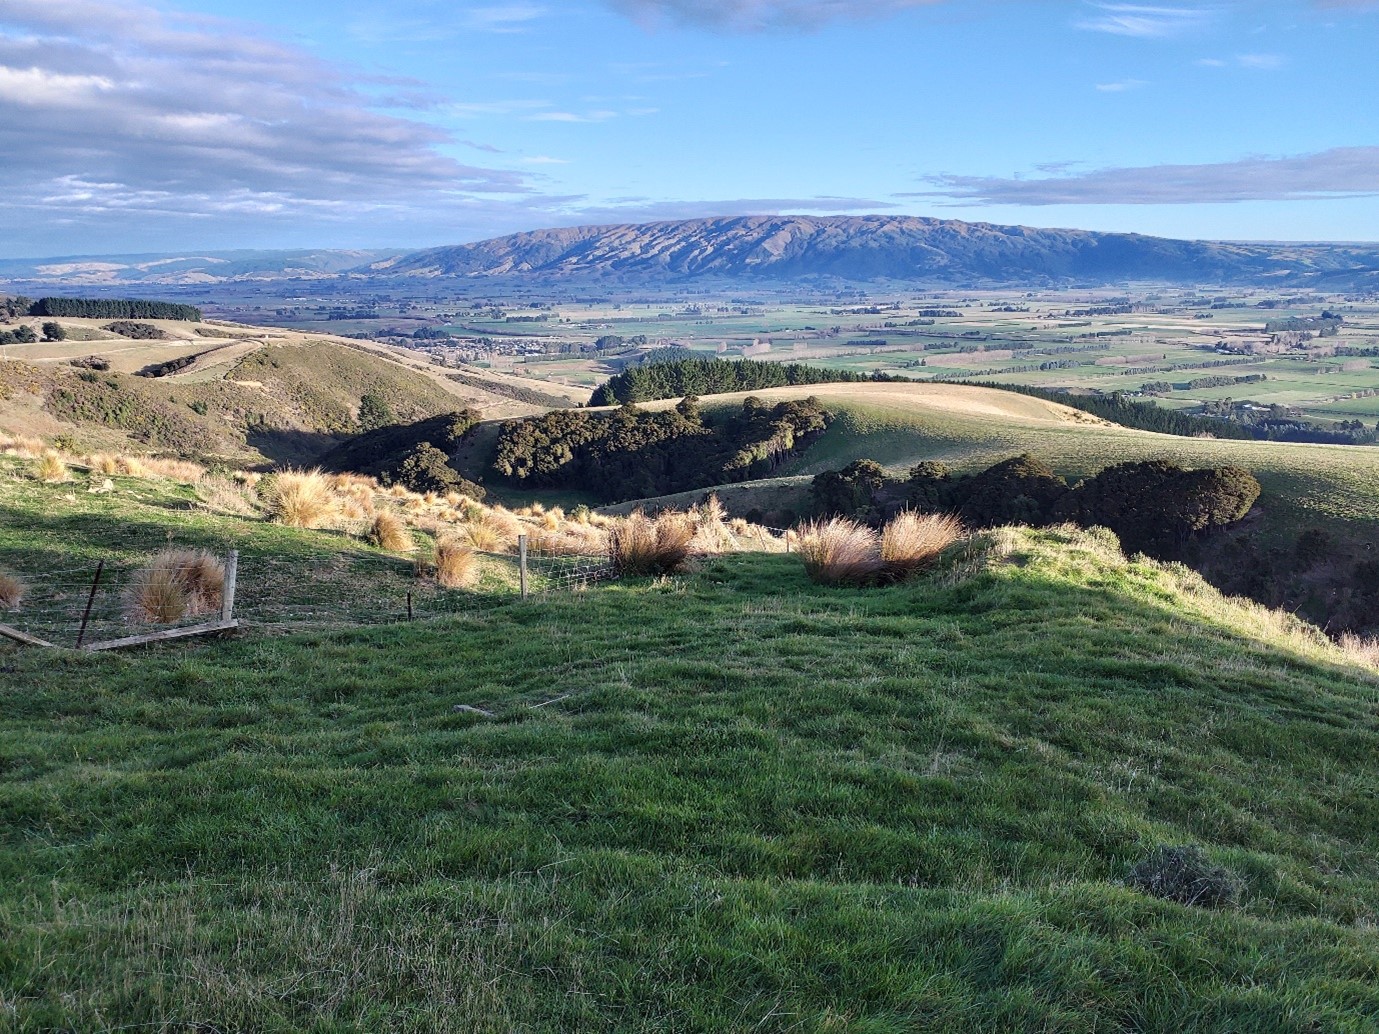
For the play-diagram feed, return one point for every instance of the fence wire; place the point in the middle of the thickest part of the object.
(352, 586)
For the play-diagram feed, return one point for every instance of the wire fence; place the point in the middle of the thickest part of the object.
(95, 598)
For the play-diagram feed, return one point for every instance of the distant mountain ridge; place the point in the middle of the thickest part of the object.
(871, 248)
(780, 249)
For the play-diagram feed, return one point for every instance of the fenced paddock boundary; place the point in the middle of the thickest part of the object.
(84, 603)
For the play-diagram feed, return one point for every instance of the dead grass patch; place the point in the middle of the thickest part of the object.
(176, 584)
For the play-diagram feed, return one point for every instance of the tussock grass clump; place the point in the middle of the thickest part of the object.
(12, 591)
(912, 542)
(841, 552)
(300, 498)
(390, 532)
(176, 584)
(484, 538)
(1185, 875)
(639, 546)
(103, 463)
(226, 495)
(51, 468)
(455, 565)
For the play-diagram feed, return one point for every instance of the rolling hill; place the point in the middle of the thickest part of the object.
(869, 248)
(238, 393)
(732, 800)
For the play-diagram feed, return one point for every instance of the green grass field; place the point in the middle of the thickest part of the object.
(748, 803)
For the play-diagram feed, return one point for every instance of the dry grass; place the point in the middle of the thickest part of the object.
(131, 466)
(176, 584)
(225, 495)
(103, 463)
(23, 447)
(484, 538)
(51, 468)
(1360, 649)
(183, 471)
(841, 552)
(12, 591)
(639, 546)
(912, 542)
(390, 532)
(300, 499)
(455, 564)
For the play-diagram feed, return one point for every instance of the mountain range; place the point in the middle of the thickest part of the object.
(771, 248)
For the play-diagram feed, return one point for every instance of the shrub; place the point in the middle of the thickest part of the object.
(12, 591)
(1184, 875)
(840, 552)
(51, 468)
(390, 532)
(639, 546)
(912, 542)
(54, 332)
(850, 492)
(300, 498)
(176, 584)
(455, 564)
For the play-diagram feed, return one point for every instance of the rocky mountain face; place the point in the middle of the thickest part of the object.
(870, 248)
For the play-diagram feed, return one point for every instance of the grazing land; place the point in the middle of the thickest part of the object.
(748, 802)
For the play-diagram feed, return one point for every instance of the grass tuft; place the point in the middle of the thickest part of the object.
(455, 565)
(176, 584)
(300, 498)
(12, 591)
(840, 552)
(390, 532)
(639, 546)
(51, 468)
(1185, 875)
(913, 542)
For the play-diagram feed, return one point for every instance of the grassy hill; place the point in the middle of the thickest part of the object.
(242, 394)
(748, 803)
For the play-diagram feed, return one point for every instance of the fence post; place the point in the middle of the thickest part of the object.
(522, 562)
(90, 601)
(227, 594)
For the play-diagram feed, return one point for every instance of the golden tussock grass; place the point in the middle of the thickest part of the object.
(51, 468)
(23, 447)
(390, 532)
(484, 538)
(455, 564)
(102, 463)
(300, 499)
(840, 552)
(639, 546)
(399, 491)
(913, 542)
(131, 466)
(228, 496)
(176, 584)
(183, 471)
(12, 591)
(1360, 649)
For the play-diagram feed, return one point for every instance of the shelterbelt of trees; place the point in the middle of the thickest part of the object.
(632, 454)
(674, 378)
(99, 308)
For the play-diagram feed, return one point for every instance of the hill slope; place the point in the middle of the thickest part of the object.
(874, 247)
(750, 803)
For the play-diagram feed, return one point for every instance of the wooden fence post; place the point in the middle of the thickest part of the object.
(522, 562)
(90, 601)
(227, 594)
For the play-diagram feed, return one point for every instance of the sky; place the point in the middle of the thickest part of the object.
(164, 126)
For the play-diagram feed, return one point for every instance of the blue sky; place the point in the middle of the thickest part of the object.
(135, 126)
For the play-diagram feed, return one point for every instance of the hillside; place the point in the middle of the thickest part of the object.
(747, 803)
(876, 248)
(248, 394)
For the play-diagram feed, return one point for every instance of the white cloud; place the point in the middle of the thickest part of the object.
(756, 15)
(1144, 21)
(1122, 86)
(116, 107)
(1338, 173)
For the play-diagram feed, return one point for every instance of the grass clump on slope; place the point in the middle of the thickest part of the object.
(750, 802)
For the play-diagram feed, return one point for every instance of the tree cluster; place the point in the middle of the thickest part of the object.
(415, 455)
(114, 308)
(1154, 506)
(668, 380)
(632, 454)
